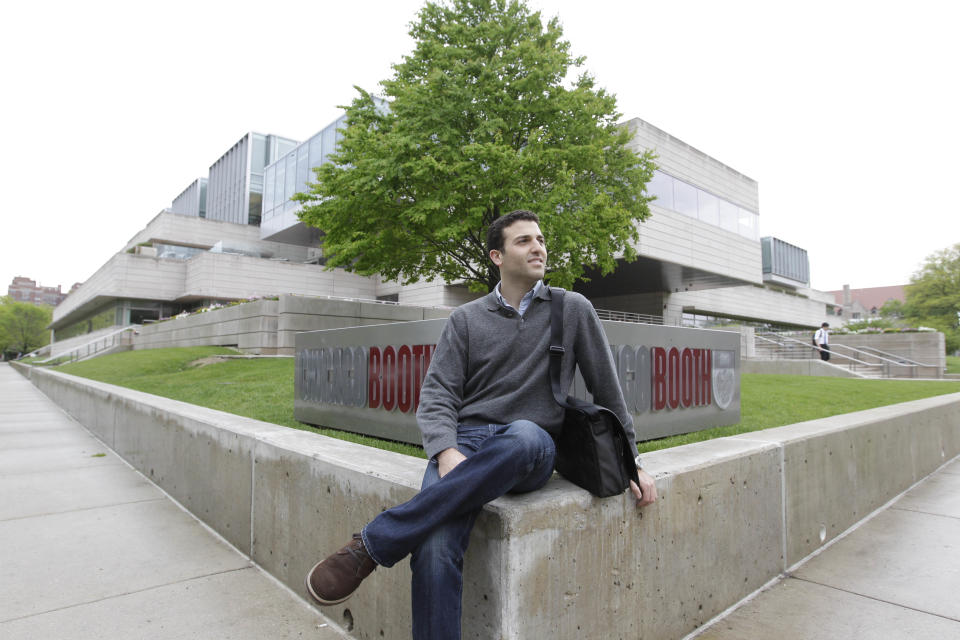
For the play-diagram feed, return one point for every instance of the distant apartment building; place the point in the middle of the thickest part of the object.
(27, 290)
(861, 304)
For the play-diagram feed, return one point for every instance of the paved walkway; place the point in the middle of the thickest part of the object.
(90, 549)
(895, 577)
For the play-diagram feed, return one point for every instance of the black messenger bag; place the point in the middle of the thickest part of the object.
(593, 450)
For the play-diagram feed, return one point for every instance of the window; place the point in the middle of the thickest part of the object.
(661, 186)
(685, 198)
(708, 207)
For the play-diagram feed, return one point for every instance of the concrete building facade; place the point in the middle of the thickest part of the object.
(701, 261)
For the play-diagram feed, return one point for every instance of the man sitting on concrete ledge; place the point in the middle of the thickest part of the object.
(487, 416)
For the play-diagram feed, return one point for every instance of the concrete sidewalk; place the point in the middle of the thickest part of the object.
(896, 576)
(90, 549)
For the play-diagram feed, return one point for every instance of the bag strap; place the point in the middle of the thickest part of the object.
(556, 356)
(556, 345)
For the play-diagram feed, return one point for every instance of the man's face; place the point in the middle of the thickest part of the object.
(524, 255)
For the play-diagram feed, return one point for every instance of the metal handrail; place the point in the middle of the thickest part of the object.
(628, 316)
(885, 364)
(902, 360)
(787, 339)
(84, 350)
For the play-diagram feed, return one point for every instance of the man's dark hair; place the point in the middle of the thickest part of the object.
(495, 230)
(825, 324)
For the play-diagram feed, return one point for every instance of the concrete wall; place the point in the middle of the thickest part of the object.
(925, 347)
(269, 327)
(795, 368)
(751, 302)
(251, 327)
(674, 237)
(733, 514)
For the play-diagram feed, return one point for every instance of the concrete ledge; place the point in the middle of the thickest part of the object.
(734, 512)
(269, 327)
(809, 367)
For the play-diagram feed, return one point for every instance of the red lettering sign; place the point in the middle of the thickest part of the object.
(680, 378)
(404, 386)
(705, 378)
(373, 378)
(389, 378)
(686, 378)
(658, 377)
(395, 376)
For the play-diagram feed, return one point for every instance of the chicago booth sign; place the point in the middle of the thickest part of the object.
(367, 379)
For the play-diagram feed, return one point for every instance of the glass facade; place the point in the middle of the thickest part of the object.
(236, 180)
(106, 317)
(176, 251)
(293, 173)
(676, 195)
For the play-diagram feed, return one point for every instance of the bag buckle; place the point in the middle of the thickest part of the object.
(557, 350)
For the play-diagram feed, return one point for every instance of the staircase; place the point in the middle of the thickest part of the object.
(789, 346)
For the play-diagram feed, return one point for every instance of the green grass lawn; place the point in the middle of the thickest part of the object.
(256, 388)
(953, 364)
(263, 389)
(773, 401)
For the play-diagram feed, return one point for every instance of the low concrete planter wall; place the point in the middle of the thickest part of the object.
(251, 327)
(734, 513)
(924, 347)
(794, 368)
(268, 327)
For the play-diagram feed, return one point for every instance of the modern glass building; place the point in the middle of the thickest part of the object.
(236, 182)
(192, 201)
(700, 255)
(292, 174)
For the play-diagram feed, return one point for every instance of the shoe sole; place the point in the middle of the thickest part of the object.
(323, 602)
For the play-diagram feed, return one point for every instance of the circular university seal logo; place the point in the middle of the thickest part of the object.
(724, 377)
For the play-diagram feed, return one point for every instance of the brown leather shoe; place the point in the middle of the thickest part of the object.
(335, 578)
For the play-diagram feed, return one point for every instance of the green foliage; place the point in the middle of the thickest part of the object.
(23, 326)
(933, 295)
(868, 323)
(953, 364)
(479, 124)
(775, 400)
(892, 310)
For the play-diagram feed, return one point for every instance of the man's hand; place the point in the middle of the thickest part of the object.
(646, 493)
(449, 458)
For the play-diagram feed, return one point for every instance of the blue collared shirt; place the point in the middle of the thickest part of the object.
(524, 301)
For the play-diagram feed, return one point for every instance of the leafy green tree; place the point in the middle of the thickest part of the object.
(892, 310)
(933, 295)
(23, 326)
(479, 123)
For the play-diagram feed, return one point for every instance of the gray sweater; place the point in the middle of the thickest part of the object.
(492, 366)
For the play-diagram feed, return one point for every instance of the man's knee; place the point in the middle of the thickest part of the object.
(529, 432)
(531, 438)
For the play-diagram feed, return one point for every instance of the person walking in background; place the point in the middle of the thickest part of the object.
(822, 339)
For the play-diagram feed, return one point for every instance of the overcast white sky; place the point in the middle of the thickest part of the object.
(846, 113)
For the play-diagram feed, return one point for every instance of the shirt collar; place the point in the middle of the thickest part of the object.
(524, 302)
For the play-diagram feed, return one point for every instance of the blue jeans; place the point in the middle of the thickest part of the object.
(434, 526)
